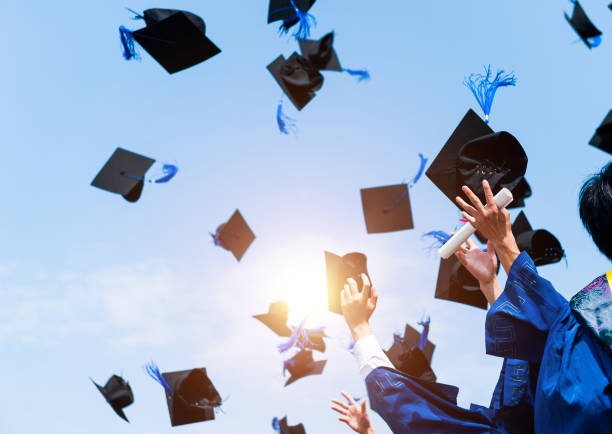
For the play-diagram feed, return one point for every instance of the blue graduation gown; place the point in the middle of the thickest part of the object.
(532, 321)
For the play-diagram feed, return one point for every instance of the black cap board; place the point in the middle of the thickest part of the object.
(194, 397)
(387, 209)
(297, 77)
(582, 25)
(474, 153)
(455, 283)
(284, 10)
(411, 338)
(302, 365)
(276, 318)
(117, 393)
(284, 428)
(315, 340)
(339, 269)
(602, 139)
(321, 53)
(521, 192)
(542, 246)
(407, 357)
(235, 235)
(124, 174)
(176, 39)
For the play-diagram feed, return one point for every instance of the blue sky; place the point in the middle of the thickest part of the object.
(92, 285)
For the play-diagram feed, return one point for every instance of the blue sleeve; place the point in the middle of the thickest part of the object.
(519, 321)
(412, 405)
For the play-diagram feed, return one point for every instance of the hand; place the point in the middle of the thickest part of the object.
(354, 415)
(357, 307)
(492, 222)
(481, 265)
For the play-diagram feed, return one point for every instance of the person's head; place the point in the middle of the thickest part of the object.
(596, 209)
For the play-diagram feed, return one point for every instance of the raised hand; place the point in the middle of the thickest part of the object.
(354, 414)
(483, 266)
(358, 306)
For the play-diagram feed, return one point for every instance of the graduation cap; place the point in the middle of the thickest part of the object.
(124, 174)
(521, 192)
(583, 26)
(175, 39)
(339, 269)
(235, 235)
(303, 365)
(602, 139)
(292, 12)
(282, 427)
(542, 246)
(474, 153)
(276, 318)
(407, 357)
(117, 393)
(298, 78)
(387, 209)
(455, 283)
(193, 396)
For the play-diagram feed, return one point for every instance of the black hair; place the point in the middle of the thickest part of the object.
(596, 209)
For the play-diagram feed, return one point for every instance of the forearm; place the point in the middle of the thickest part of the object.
(491, 290)
(360, 331)
(507, 251)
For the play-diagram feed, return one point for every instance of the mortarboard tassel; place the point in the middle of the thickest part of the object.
(484, 86)
(360, 74)
(153, 371)
(422, 165)
(305, 22)
(276, 424)
(169, 170)
(299, 337)
(439, 238)
(423, 339)
(287, 364)
(286, 124)
(127, 41)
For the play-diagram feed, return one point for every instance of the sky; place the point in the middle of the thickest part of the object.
(92, 285)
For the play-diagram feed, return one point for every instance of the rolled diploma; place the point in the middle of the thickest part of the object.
(502, 200)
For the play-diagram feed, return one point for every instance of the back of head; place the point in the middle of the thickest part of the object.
(596, 209)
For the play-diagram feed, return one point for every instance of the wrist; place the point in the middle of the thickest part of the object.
(360, 330)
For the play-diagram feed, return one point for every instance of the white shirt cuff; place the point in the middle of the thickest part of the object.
(370, 355)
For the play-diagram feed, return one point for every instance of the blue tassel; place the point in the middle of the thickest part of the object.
(127, 41)
(439, 238)
(286, 124)
(287, 364)
(424, 333)
(305, 22)
(299, 337)
(595, 41)
(136, 16)
(423, 163)
(276, 424)
(484, 86)
(360, 74)
(170, 170)
(153, 371)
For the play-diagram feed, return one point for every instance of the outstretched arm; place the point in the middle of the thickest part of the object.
(354, 415)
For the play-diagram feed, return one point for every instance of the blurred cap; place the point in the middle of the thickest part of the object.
(235, 235)
(455, 283)
(521, 192)
(339, 269)
(175, 39)
(321, 53)
(582, 25)
(284, 10)
(124, 174)
(117, 393)
(298, 78)
(283, 428)
(387, 209)
(542, 246)
(602, 139)
(276, 318)
(302, 365)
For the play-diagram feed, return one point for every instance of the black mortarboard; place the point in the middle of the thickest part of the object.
(583, 25)
(387, 209)
(521, 192)
(315, 340)
(276, 318)
(298, 78)
(124, 174)
(235, 235)
(302, 365)
(455, 283)
(321, 53)
(117, 393)
(194, 397)
(284, 10)
(283, 428)
(407, 357)
(542, 246)
(602, 139)
(339, 269)
(176, 39)
(474, 153)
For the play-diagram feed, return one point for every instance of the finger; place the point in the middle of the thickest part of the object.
(460, 257)
(468, 217)
(349, 398)
(343, 297)
(363, 408)
(340, 403)
(353, 286)
(489, 195)
(345, 420)
(462, 249)
(467, 207)
(474, 199)
(342, 412)
(366, 283)
(470, 243)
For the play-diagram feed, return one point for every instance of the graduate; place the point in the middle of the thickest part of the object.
(530, 320)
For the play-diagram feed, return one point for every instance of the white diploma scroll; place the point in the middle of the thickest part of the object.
(502, 200)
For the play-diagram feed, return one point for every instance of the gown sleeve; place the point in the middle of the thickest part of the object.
(518, 323)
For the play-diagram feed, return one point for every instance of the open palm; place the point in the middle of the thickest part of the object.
(482, 265)
(354, 415)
